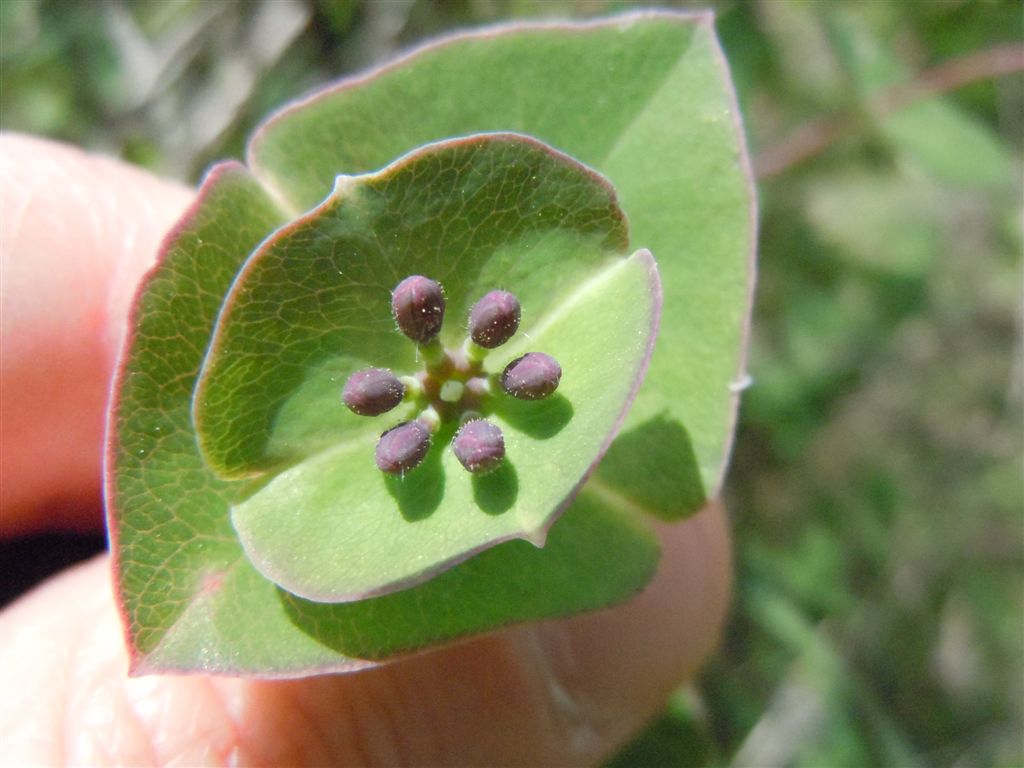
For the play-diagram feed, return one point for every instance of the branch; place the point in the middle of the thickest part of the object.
(815, 136)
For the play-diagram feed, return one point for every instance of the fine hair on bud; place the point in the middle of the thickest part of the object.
(403, 447)
(417, 304)
(494, 319)
(533, 376)
(372, 391)
(479, 446)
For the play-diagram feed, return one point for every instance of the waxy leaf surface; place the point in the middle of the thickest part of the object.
(313, 303)
(333, 528)
(192, 601)
(643, 98)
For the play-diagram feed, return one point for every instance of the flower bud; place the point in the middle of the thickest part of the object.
(417, 304)
(403, 447)
(494, 319)
(533, 376)
(372, 392)
(479, 446)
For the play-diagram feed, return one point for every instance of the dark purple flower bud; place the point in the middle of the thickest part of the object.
(418, 306)
(479, 446)
(372, 392)
(403, 447)
(494, 319)
(533, 376)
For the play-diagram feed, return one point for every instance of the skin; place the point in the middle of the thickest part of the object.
(78, 232)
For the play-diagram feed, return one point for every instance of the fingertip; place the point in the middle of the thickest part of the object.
(572, 691)
(79, 231)
(616, 668)
(563, 692)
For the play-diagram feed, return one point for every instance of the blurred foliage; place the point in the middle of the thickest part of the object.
(876, 487)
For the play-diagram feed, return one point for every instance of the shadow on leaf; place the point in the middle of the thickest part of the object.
(496, 491)
(655, 466)
(419, 492)
(540, 419)
(477, 594)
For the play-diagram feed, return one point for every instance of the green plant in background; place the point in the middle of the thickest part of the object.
(255, 533)
(879, 572)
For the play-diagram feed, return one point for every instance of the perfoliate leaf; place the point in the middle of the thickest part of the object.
(314, 300)
(643, 98)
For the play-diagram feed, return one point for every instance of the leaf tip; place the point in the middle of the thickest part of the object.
(538, 537)
(344, 183)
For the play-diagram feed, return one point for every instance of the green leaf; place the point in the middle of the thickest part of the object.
(246, 625)
(949, 145)
(167, 514)
(333, 528)
(313, 304)
(315, 297)
(896, 227)
(645, 99)
(190, 599)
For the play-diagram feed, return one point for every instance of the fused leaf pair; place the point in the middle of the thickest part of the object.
(252, 534)
(311, 306)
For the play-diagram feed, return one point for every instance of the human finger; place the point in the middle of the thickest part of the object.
(564, 692)
(78, 233)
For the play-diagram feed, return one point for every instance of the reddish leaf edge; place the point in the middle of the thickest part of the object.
(742, 380)
(111, 438)
(700, 17)
(143, 664)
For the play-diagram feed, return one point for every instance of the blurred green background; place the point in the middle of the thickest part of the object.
(876, 487)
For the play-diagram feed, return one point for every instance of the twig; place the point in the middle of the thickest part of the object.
(815, 136)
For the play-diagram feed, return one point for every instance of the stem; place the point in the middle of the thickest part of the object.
(473, 351)
(817, 135)
(433, 352)
(431, 418)
(469, 416)
(413, 387)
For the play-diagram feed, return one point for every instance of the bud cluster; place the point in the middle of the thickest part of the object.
(453, 384)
